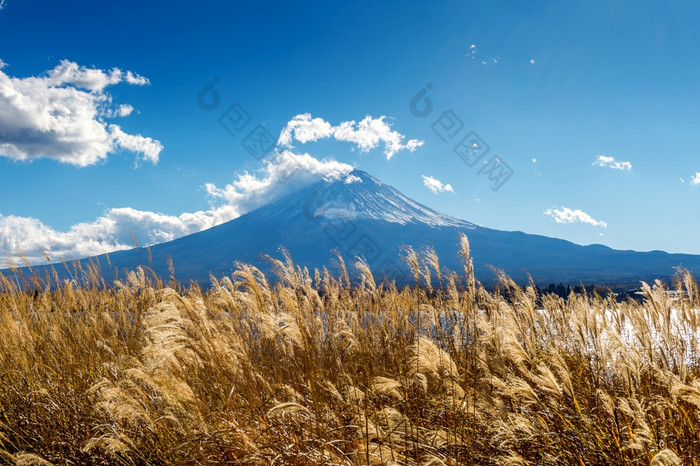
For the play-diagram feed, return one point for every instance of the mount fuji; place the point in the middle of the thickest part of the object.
(358, 215)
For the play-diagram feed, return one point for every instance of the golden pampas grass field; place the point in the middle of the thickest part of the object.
(310, 369)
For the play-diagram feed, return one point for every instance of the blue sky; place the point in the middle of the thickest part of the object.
(593, 106)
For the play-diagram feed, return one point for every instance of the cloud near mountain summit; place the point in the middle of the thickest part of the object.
(368, 134)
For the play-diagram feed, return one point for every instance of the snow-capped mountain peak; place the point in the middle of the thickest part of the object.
(359, 195)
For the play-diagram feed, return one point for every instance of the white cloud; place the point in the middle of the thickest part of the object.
(250, 191)
(610, 162)
(149, 148)
(304, 128)
(532, 61)
(350, 179)
(696, 179)
(367, 134)
(436, 185)
(534, 160)
(112, 231)
(61, 116)
(2, 4)
(68, 72)
(566, 215)
(124, 110)
(135, 79)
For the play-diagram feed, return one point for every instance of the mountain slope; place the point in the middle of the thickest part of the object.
(360, 215)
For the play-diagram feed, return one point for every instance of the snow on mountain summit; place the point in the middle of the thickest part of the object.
(359, 195)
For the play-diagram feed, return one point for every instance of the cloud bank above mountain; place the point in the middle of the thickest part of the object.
(117, 227)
